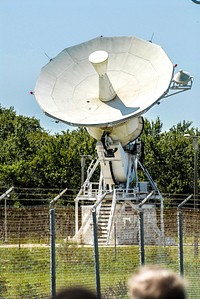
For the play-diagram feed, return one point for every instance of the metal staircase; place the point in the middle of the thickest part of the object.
(103, 220)
(105, 202)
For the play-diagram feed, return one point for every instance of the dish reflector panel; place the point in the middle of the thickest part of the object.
(139, 73)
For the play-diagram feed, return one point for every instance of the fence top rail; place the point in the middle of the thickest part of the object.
(53, 201)
(145, 199)
(100, 200)
(183, 202)
(6, 193)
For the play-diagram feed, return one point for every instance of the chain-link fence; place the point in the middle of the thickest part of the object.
(26, 245)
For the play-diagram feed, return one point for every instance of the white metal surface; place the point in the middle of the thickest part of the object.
(68, 86)
(123, 132)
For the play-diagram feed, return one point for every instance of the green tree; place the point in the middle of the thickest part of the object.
(169, 156)
(16, 150)
(58, 161)
(153, 156)
(31, 157)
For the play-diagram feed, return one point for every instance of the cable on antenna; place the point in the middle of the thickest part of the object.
(48, 56)
(151, 39)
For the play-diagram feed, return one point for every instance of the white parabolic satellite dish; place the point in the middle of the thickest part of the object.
(139, 73)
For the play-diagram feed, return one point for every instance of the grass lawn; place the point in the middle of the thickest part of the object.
(25, 272)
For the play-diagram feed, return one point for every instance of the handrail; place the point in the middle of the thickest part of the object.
(91, 166)
(87, 179)
(92, 171)
(112, 211)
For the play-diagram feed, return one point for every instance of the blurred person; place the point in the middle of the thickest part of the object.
(154, 282)
(75, 293)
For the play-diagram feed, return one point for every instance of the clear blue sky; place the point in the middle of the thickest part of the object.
(31, 28)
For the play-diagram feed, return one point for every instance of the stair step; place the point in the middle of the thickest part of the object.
(103, 218)
(101, 232)
(105, 214)
(103, 228)
(102, 239)
(100, 223)
(105, 208)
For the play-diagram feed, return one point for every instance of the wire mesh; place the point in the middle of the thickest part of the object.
(25, 246)
(24, 253)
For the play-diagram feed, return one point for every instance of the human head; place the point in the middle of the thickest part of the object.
(75, 293)
(154, 282)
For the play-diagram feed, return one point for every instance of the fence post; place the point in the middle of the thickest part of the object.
(95, 237)
(53, 244)
(180, 235)
(96, 253)
(141, 237)
(141, 228)
(115, 240)
(52, 253)
(5, 222)
(6, 195)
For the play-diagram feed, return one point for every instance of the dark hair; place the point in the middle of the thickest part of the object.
(75, 293)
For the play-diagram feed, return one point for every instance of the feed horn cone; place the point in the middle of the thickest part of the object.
(99, 60)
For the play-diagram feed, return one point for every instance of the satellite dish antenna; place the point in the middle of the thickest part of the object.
(106, 84)
(104, 81)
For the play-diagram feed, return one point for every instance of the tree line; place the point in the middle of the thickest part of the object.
(31, 157)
